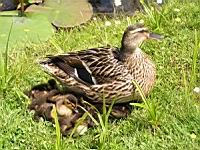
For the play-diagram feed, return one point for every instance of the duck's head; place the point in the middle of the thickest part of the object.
(134, 35)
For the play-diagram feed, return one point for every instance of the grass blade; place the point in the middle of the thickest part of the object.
(150, 108)
(138, 105)
(195, 57)
(108, 113)
(77, 124)
(58, 135)
(93, 119)
(6, 53)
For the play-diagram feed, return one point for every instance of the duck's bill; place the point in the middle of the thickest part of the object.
(156, 36)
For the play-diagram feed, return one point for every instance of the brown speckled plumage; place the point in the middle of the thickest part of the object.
(107, 72)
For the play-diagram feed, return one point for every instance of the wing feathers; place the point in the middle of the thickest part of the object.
(74, 68)
(91, 67)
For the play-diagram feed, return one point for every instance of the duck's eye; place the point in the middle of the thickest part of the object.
(143, 31)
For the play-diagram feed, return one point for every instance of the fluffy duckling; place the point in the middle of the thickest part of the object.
(45, 111)
(40, 93)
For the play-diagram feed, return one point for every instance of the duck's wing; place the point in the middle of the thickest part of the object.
(89, 67)
(66, 66)
(104, 64)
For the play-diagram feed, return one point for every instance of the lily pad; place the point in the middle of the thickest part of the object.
(68, 13)
(39, 9)
(34, 28)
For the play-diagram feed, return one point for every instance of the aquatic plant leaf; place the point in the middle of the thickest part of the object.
(33, 28)
(68, 13)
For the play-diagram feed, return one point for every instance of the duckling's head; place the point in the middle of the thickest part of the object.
(134, 35)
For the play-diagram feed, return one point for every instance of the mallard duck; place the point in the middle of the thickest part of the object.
(107, 72)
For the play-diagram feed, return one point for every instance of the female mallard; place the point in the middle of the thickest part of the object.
(107, 72)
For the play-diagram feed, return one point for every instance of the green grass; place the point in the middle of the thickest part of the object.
(149, 105)
(57, 125)
(178, 73)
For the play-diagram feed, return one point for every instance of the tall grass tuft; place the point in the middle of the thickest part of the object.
(190, 80)
(4, 64)
(58, 135)
(154, 14)
(104, 124)
(101, 121)
(150, 107)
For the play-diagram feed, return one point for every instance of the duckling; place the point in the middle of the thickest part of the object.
(43, 87)
(41, 92)
(39, 95)
(39, 98)
(67, 123)
(107, 71)
(45, 111)
(62, 96)
(79, 130)
(82, 128)
(64, 108)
